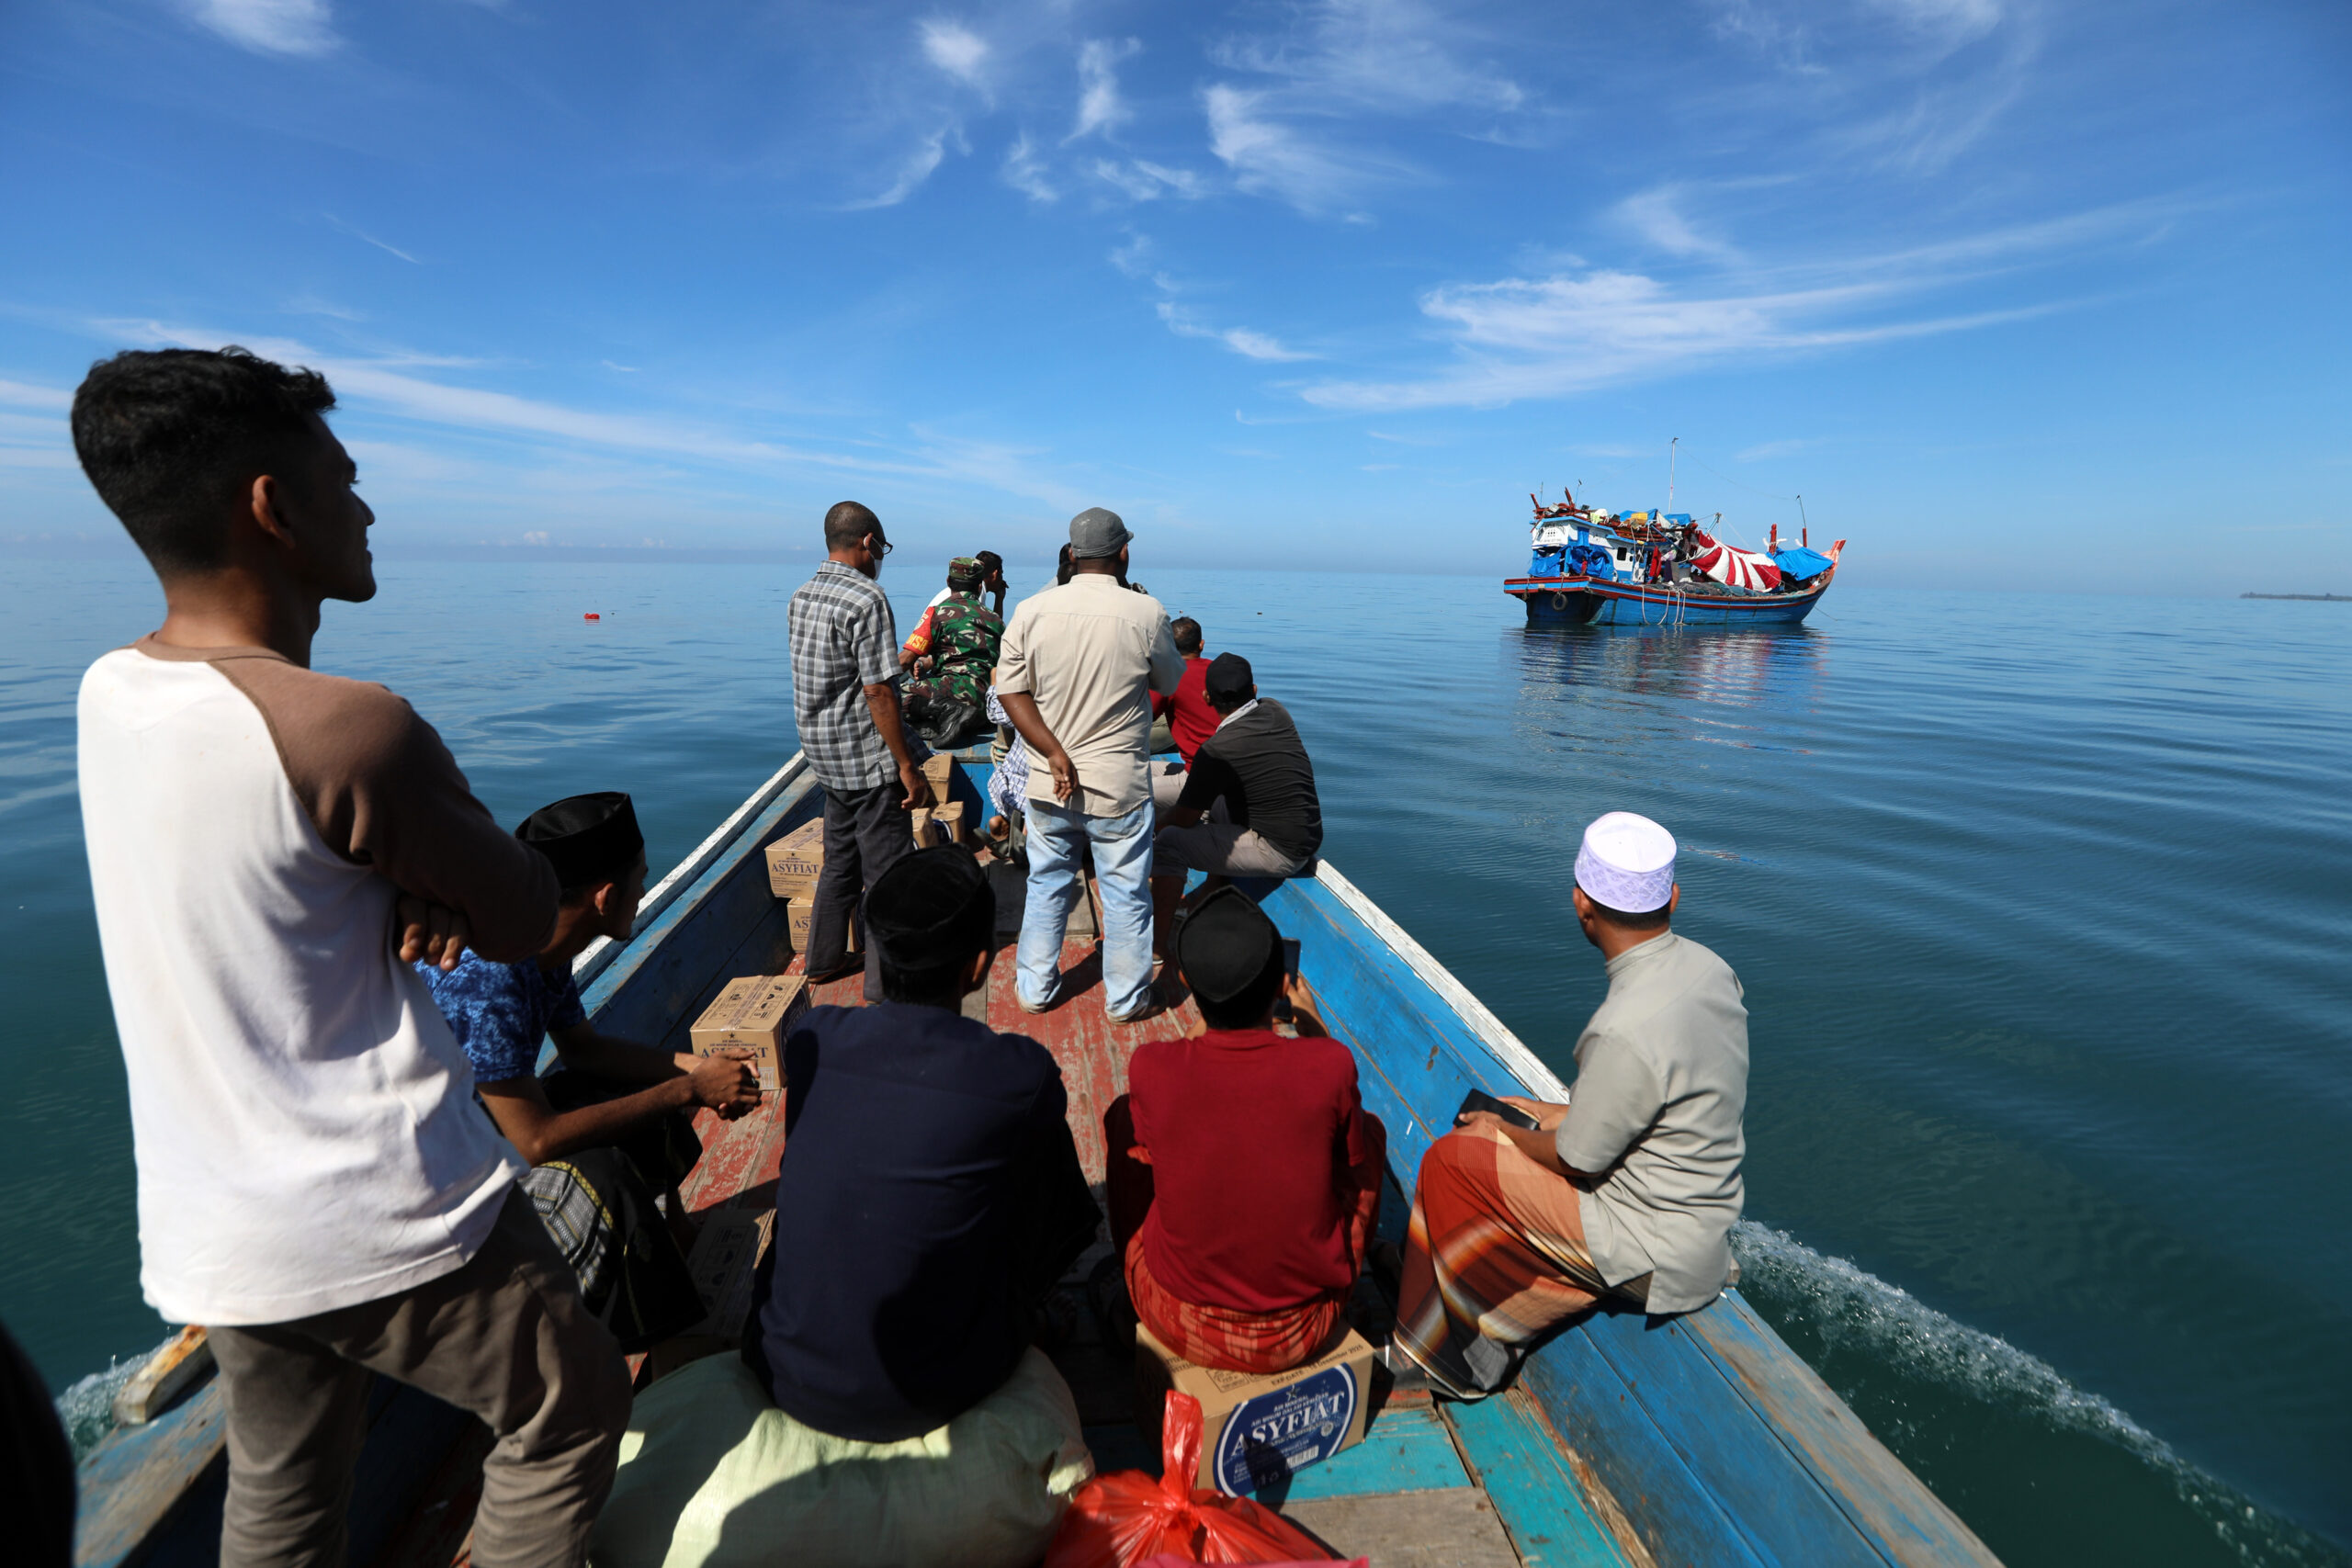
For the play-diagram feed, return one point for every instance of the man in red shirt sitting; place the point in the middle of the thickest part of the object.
(1244, 1171)
(1191, 719)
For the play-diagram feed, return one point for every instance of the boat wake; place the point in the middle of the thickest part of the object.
(86, 1407)
(1858, 1319)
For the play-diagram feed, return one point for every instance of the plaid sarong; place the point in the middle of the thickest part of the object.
(1223, 1337)
(1495, 1256)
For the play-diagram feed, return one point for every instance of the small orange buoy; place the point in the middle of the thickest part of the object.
(591, 616)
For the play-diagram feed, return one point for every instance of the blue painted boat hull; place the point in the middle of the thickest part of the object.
(1585, 601)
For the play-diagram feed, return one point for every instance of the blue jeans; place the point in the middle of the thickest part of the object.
(1122, 871)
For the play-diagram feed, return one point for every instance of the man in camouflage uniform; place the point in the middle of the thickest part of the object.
(953, 651)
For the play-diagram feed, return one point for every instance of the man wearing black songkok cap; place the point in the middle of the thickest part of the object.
(616, 1122)
(929, 1193)
(1244, 1171)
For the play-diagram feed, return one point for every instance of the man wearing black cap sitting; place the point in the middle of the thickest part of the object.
(1244, 1171)
(929, 1193)
(1256, 766)
(612, 1131)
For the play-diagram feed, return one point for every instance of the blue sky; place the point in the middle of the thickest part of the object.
(1991, 283)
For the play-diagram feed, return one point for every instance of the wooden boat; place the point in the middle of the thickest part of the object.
(1589, 567)
(1700, 1439)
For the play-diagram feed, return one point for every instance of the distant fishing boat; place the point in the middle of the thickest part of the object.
(1697, 1441)
(1590, 566)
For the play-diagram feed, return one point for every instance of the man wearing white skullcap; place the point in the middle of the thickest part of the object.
(1632, 1187)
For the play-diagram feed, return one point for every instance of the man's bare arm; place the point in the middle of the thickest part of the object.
(540, 1133)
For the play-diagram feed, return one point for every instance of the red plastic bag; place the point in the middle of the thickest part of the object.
(1126, 1519)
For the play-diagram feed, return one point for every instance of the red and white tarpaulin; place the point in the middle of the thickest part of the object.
(1741, 569)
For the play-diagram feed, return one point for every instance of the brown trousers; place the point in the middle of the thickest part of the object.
(506, 1337)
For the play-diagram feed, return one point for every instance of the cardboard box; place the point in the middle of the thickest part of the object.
(796, 921)
(727, 1250)
(753, 1011)
(1258, 1428)
(939, 769)
(948, 824)
(926, 835)
(795, 859)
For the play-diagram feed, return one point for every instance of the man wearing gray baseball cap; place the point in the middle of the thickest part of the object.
(1074, 673)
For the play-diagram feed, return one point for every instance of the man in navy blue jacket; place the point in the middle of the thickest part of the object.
(930, 1194)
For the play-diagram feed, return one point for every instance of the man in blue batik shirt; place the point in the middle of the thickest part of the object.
(610, 1135)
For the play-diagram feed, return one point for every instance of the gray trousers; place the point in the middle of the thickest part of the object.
(505, 1336)
(867, 833)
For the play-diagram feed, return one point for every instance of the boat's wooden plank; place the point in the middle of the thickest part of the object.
(1415, 1058)
(1675, 1514)
(1454, 1528)
(674, 962)
(1523, 1471)
(1408, 1449)
(1461, 1005)
(719, 844)
(1092, 1051)
(137, 1477)
(1782, 1510)
(1908, 1524)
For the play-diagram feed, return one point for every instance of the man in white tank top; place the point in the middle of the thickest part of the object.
(269, 847)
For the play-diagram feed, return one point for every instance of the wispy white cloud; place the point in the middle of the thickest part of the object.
(1386, 55)
(1908, 84)
(956, 50)
(29, 395)
(1138, 179)
(312, 305)
(1552, 337)
(361, 234)
(1025, 173)
(615, 364)
(1269, 156)
(297, 27)
(1133, 256)
(387, 387)
(1575, 330)
(1656, 216)
(1241, 340)
(1099, 108)
(913, 169)
(1296, 133)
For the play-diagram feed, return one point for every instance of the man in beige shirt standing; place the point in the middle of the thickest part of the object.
(1076, 674)
(1631, 1188)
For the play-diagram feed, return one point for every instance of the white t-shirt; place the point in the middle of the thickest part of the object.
(303, 1120)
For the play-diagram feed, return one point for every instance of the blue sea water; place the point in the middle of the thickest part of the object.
(2043, 906)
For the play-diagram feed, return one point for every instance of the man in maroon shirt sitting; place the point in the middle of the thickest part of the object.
(1191, 719)
(1244, 1171)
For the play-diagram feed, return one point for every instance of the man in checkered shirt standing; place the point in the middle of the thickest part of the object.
(845, 697)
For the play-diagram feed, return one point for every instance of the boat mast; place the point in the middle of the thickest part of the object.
(1673, 450)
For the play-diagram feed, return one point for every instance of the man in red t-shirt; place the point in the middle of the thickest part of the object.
(1191, 719)
(1244, 1171)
